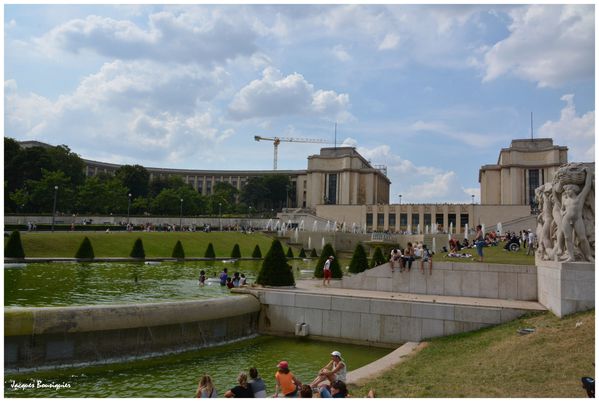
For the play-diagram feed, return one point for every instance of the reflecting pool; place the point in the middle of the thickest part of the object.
(71, 284)
(177, 375)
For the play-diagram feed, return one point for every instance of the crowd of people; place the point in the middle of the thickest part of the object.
(403, 259)
(524, 239)
(235, 281)
(330, 382)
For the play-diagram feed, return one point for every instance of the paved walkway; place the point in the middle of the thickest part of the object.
(315, 287)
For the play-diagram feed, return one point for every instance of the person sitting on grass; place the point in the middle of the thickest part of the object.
(336, 369)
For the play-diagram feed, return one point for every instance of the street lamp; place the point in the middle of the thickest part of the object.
(128, 208)
(220, 224)
(54, 207)
(400, 199)
(181, 216)
(472, 199)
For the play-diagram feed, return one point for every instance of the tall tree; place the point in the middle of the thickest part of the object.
(136, 178)
(42, 192)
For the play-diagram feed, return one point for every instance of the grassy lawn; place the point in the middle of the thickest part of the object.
(156, 244)
(498, 362)
(492, 255)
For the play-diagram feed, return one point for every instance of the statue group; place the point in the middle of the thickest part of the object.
(566, 220)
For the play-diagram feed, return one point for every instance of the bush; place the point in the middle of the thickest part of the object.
(359, 261)
(210, 251)
(236, 253)
(257, 253)
(275, 271)
(86, 251)
(138, 250)
(289, 253)
(335, 268)
(377, 258)
(302, 253)
(14, 247)
(178, 252)
(313, 253)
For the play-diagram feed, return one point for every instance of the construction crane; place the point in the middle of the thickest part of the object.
(277, 140)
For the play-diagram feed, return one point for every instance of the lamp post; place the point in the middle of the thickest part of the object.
(181, 216)
(220, 224)
(472, 199)
(54, 207)
(400, 200)
(128, 209)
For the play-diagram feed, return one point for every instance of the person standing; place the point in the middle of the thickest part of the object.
(223, 277)
(531, 243)
(327, 271)
(427, 256)
(479, 241)
(202, 278)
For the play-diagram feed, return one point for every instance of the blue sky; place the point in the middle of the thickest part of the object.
(432, 92)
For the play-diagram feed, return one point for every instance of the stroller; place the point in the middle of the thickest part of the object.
(513, 244)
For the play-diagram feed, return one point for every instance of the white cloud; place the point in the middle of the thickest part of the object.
(390, 41)
(472, 139)
(186, 37)
(577, 132)
(276, 95)
(341, 54)
(548, 44)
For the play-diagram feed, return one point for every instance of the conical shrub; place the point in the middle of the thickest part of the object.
(85, 251)
(210, 251)
(327, 251)
(289, 253)
(257, 253)
(138, 250)
(313, 253)
(236, 252)
(359, 261)
(14, 247)
(275, 271)
(377, 258)
(178, 251)
(302, 253)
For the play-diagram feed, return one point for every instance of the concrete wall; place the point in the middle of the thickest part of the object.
(495, 281)
(566, 287)
(370, 320)
(54, 336)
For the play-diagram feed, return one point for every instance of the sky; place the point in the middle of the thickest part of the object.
(433, 92)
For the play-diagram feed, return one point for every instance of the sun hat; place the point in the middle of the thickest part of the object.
(335, 353)
(283, 365)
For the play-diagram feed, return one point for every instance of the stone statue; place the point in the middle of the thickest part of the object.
(566, 222)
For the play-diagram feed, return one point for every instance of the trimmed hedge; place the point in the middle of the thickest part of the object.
(359, 261)
(289, 253)
(138, 250)
(377, 258)
(236, 252)
(327, 251)
(85, 251)
(313, 253)
(275, 271)
(210, 251)
(14, 246)
(178, 251)
(257, 253)
(302, 253)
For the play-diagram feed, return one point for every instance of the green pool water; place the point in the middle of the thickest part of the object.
(69, 284)
(177, 376)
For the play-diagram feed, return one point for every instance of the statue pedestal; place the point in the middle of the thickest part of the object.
(566, 287)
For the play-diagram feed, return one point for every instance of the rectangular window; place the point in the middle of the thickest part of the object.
(427, 220)
(415, 220)
(403, 220)
(368, 219)
(464, 219)
(533, 183)
(332, 189)
(439, 219)
(451, 220)
(391, 220)
(380, 220)
(209, 187)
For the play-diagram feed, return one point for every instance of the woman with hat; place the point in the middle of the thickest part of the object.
(286, 382)
(334, 370)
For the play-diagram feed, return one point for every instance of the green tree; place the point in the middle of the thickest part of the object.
(377, 258)
(289, 253)
(168, 202)
(20, 198)
(236, 252)
(210, 251)
(68, 162)
(136, 178)
(85, 251)
(302, 253)
(359, 260)
(42, 192)
(178, 252)
(138, 250)
(14, 247)
(226, 194)
(275, 271)
(160, 183)
(327, 251)
(255, 193)
(257, 252)
(313, 253)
